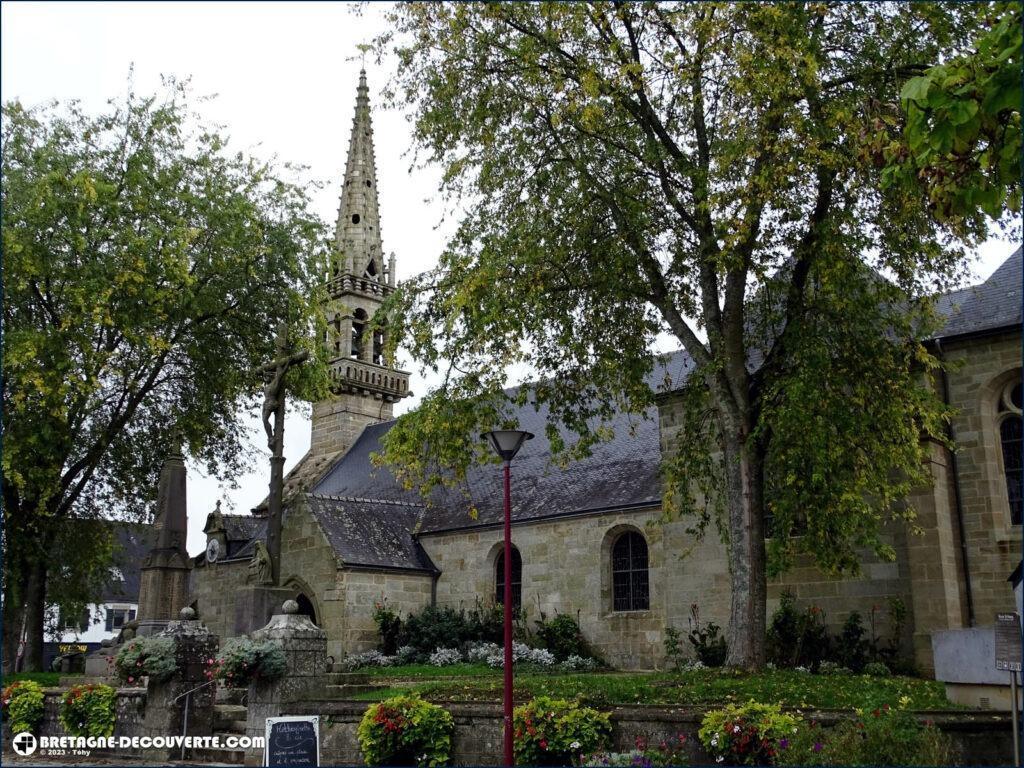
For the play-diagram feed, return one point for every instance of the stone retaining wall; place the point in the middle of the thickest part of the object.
(981, 738)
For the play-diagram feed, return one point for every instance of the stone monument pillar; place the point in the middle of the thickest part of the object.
(305, 649)
(163, 590)
(190, 690)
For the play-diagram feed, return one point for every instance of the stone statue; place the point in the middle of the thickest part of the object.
(273, 391)
(259, 566)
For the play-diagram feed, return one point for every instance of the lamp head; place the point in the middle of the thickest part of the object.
(507, 442)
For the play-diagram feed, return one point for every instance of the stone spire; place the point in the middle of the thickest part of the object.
(357, 242)
(163, 588)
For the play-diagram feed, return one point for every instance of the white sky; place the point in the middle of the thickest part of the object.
(285, 76)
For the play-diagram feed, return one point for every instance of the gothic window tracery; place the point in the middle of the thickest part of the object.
(630, 578)
(1011, 440)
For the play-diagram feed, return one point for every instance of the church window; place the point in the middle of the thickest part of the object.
(355, 218)
(358, 323)
(630, 583)
(378, 347)
(517, 579)
(1011, 439)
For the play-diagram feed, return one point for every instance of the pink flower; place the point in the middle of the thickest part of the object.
(543, 744)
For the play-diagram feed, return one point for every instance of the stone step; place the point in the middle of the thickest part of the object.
(346, 678)
(346, 691)
(221, 756)
(229, 717)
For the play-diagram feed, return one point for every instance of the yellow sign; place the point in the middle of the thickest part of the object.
(72, 648)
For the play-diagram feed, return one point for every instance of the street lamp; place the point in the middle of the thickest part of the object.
(506, 443)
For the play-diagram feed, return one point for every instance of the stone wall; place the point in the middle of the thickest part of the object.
(980, 739)
(359, 591)
(215, 590)
(567, 569)
(982, 368)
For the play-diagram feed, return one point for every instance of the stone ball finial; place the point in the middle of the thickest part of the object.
(127, 634)
(187, 613)
(290, 607)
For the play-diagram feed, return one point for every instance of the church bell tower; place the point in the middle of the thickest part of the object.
(364, 385)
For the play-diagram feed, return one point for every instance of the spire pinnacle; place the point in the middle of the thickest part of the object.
(358, 248)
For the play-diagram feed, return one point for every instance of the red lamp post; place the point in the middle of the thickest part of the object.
(506, 443)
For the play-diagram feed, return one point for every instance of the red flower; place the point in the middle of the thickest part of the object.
(543, 744)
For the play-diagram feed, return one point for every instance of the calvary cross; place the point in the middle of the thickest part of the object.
(273, 405)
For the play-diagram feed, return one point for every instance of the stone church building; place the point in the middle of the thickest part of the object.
(588, 541)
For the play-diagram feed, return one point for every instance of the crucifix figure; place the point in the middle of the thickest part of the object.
(273, 406)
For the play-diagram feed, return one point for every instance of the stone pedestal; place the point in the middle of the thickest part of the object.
(190, 687)
(255, 605)
(305, 650)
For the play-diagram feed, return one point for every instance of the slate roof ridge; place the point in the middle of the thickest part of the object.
(365, 500)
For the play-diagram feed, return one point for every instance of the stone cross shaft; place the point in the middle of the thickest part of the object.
(273, 406)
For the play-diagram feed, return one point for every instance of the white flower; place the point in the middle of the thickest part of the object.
(735, 729)
(714, 740)
(574, 745)
(794, 730)
(719, 759)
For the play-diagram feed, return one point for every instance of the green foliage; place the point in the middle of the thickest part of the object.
(852, 646)
(636, 164)
(961, 135)
(556, 732)
(23, 705)
(797, 638)
(674, 654)
(746, 734)
(405, 730)
(243, 661)
(877, 669)
(646, 754)
(709, 647)
(45, 679)
(884, 736)
(88, 710)
(389, 627)
(562, 636)
(145, 270)
(151, 657)
(436, 627)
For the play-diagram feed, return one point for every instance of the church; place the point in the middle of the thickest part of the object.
(588, 538)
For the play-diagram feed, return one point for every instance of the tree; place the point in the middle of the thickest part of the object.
(961, 131)
(700, 169)
(145, 272)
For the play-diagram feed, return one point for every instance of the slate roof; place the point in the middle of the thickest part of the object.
(371, 533)
(372, 521)
(992, 306)
(242, 527)
(130, 547)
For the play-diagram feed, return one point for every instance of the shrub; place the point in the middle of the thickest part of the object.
(797, 638)
(151, 657)
(831, 668)
(243, 661)
(557, 732)
(852, 648)
(481, 652)
(23, 705)
(443, 657)
(434, 627)
(88, 710)
(673, 648)
(579, 664)
(746, 734)
(389, 626)
(368, 659)
(710, 648)
(562, 636)
(883, 737)
(405, 730)
(522, 653)
(644, 755)
(876, 669)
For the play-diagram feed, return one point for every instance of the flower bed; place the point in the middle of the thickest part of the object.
(406, 730)
(23, 706)
(88, 710)
(243, 661)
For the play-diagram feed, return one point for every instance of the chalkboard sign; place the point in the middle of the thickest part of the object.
(1008, 642)
(292, 741)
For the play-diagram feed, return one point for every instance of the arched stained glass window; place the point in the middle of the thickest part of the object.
(1010, 430)
(630, 582)
(517, 579)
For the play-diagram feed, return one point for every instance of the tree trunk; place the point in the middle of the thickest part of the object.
(35, 610)
(745, 509)
(13, 613)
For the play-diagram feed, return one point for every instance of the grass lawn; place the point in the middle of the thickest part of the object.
(706, 687)
(45, 679)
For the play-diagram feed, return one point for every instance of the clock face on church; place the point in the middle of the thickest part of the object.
(212, 550)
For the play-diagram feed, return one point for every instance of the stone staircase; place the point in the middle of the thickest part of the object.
(229, 713)
(344, 685)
